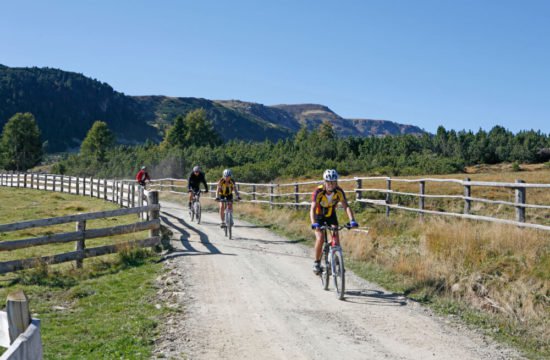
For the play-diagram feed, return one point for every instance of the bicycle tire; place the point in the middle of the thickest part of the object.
(191, 213)
(229, 224)
(325, 270)
(198, 212)
(339, 274)
(226, 217)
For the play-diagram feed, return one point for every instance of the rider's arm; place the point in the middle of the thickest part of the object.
(348, 210)
(312, 212)
(235, 189)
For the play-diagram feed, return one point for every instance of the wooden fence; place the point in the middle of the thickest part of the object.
(383, 192)
(124, 193)
(19, 333)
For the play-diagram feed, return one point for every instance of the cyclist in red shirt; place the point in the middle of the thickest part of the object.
(142, 176)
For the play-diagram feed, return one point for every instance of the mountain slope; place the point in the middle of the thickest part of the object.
(66, 104)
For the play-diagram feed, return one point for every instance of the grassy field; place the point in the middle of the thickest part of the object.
(494, 277)
(105, 310)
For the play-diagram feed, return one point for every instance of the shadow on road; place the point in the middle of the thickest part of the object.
(376, 297)
(276, 242)
(182, 226)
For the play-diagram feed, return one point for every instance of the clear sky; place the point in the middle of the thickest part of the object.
(463, 64)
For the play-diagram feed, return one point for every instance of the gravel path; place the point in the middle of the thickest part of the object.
(255, 297)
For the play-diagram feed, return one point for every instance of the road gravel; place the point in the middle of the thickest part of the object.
(256, 297)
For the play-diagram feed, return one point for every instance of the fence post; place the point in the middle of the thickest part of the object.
(358, 192)
(467, 195)
(253, 192)
(133, 195)
(97, 189)
(521, 194)
(104, 189)
(421, 198)
(296, 195)
(54, 183)
(81, 242)
(77, 185)
(271, 197)
(388, 196)
(171, 185)
(121, 194)
(91, 187)
(19, 316)
(25, 180)
(153, 199)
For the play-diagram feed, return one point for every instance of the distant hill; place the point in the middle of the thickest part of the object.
(66, 104)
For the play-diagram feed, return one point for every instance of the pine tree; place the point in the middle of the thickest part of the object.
(20, 146)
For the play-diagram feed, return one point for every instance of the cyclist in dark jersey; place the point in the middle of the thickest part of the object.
(323, 210)
(193, 183)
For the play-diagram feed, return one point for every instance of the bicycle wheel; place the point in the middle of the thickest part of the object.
(226, 222)
(229, 224)
(325, 270)
(191, 213)
(198, 212)
(339, 273)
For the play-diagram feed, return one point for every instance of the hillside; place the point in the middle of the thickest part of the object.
(66, 104)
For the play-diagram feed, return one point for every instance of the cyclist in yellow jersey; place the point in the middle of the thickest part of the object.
(323, 210)
(226, 188)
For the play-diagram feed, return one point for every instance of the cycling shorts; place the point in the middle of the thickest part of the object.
(227, 197)
(330, 220)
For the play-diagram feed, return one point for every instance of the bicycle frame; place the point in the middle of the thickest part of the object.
(333, 258)
(228, 217)
(195, 210)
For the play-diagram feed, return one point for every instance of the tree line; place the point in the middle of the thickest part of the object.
(192, 140)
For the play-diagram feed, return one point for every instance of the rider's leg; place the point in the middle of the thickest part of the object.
(190, 198)
(318, 244)
(222, 210)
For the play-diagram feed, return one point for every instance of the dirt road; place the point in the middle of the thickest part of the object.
(255, 297)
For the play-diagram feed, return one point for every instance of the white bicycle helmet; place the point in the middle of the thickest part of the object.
(196, 168)
(227, 172)
(330, 175)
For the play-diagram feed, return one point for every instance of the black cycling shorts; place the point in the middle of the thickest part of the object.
(330, 220)
(227, 197)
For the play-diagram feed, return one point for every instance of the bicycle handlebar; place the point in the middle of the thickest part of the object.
(339, 227)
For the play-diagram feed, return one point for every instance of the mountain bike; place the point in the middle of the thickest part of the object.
(195, 209)
(228, 217)
(332, 260)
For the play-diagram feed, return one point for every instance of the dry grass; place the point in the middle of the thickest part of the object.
(500, 270)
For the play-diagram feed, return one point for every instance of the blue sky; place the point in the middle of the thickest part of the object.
(463, 64)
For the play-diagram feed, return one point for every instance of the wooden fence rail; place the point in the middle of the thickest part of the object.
(298, 194)
(385, 194)
(124, 193)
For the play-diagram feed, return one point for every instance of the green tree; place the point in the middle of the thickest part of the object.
(20, 146)
(200, 131)
(98, 140)
(175, 136)
(193, 130)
